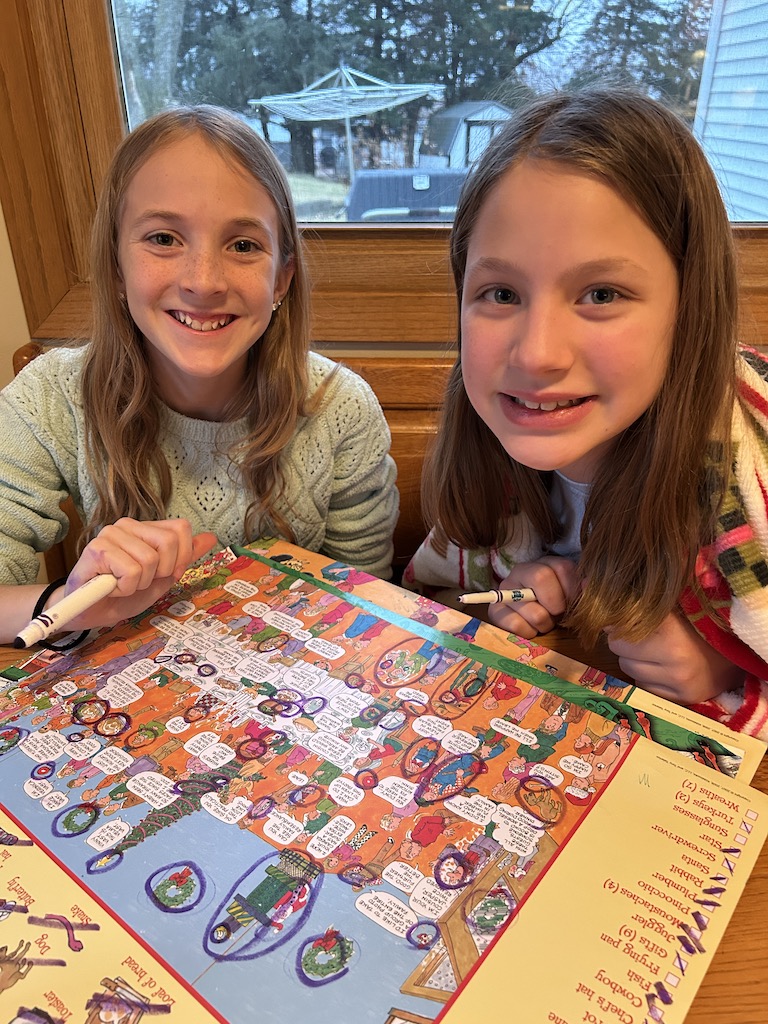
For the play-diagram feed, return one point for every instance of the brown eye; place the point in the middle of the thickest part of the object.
(602, 296)
(162, 238)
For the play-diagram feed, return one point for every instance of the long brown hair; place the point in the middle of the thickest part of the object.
(653, 500)
(122, 410)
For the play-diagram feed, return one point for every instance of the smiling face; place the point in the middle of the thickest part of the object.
(567, 315)
(199, 259)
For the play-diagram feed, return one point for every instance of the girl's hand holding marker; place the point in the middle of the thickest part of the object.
(120, 573)
(498, 596)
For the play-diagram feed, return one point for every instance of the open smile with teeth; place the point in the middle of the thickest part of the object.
(201, 325)
(566, 403)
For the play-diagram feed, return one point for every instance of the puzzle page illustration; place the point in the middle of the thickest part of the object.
(292, 791)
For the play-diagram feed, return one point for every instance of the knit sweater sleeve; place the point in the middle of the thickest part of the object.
(440, 565)
(340, 496)
(39, 441)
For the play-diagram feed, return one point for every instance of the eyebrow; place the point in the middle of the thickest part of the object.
(608, 265)
(236, 224)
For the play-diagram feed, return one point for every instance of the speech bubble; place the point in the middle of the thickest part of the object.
(177, 630)
(429, 900)
(326, 721)
(54, 801)
(325, 648)
(120, 693)
(459, 742)
(282, 829)
(431, 725)
(216, 755)
(402, 876)
(283, 622)
(256, 670)
(478, 809)
(197, 744)
(301, 634)
(398, 791)
(37, 788)
(576, 766)
(229, 813)
(223, 657)
(112, 760)
(134, 672)
(345, 792)
(44, 746)
(350, 703)
(176, 725)
(85, 748)
(413, 695)
(330, 836)
(152, 787)
(242, 589)
(197, 644)
(548, 772)
(387, 911)
(515, 732)
(301, 677)
(516, 830)
(256, 608)
(64, 687)
(330, 747)
(108, 835)
(180, 609)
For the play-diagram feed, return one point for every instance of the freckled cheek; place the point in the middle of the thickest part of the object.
(144, 278)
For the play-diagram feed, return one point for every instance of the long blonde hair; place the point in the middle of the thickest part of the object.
(122, 409)
(653, 501)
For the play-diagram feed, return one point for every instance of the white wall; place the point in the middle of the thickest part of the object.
(15, 332)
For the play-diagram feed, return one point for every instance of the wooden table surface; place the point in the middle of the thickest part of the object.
(735, 990)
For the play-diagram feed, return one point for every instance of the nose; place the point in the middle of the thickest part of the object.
(542, 339)
(203, 272)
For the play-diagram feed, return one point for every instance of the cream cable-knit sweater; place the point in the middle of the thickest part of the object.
(340, 496)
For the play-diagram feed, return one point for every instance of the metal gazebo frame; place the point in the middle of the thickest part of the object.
(341, 95)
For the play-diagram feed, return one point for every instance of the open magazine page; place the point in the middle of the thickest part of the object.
(302, 802)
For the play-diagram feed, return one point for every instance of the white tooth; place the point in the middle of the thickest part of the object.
(531, 405)
(195, 325)
(207, 326)
(548, 406)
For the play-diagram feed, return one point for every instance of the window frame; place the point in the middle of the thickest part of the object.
(61, 115)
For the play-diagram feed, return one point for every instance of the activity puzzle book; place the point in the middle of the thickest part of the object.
(290, 791)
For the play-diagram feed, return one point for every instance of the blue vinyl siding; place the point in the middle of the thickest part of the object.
(732, 110)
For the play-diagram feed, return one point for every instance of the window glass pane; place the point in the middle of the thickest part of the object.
(376, 110)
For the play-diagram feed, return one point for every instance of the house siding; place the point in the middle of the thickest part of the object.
(732, 110)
